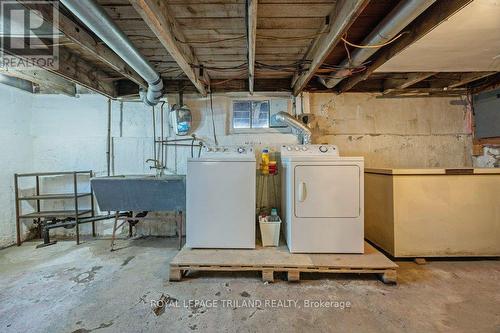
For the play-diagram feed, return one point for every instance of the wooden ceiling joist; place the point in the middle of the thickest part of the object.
(44, 79)
(234, 85)
(341, 19)
(251, 37)
(408, 92)
(435, 15)
(470, 77)
(158, 17)
(79, 35)
(73, 68)
(76, 70)
(412, 78)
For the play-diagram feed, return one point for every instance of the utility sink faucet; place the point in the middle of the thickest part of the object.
(156, 165)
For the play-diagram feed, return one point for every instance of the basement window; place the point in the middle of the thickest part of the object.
(251, 114)
(256, 115)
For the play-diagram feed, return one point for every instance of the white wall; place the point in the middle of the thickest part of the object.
(71, 134)
(66, 134)
(57, 133)
(16, 153)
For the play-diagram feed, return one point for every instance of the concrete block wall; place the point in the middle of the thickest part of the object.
(56, 133)
(397, 133)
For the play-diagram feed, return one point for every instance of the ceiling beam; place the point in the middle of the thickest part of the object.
(469, 77)
(44, 79)
(160, 20)
(435, 15)
(18, 83)
(251, 37)
(218, 86)
(79, 35)
(73, 68)
(412, 78)
(341, 19)
(426, 91)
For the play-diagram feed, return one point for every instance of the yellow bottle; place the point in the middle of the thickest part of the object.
(264, 166)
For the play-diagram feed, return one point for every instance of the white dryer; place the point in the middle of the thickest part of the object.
(220, 198)
(322, 200)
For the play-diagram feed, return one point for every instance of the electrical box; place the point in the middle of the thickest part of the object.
(181, 119)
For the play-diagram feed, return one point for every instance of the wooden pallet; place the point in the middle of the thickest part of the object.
(269, 260)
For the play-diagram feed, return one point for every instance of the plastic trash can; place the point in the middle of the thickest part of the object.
(270, 232)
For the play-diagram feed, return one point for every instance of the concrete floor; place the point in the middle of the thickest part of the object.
(69, 288)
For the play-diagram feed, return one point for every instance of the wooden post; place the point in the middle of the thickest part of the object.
(175, 274)
(293, 276)
(268, 275)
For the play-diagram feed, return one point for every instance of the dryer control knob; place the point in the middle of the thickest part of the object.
(323, 149)
(289, 148)
(241, 150)
(304, 148)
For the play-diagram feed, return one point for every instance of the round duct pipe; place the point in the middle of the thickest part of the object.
(96, 19)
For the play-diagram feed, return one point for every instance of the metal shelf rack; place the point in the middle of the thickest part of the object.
(62, 216)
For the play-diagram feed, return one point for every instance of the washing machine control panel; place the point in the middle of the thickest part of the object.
(309, 150)
(227, 150)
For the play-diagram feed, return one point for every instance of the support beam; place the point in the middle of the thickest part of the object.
(124, 88)
(341, 19)
(470, 77)
(413, 78)
(17, 83)
(73, 68)
(44, 79)
(410, 92)
(251, 37)
(77, 70)
(79, 35)
(435, 15)
(158, 17)
(493, 82)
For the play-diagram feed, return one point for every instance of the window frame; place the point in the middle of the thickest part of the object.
(251, 119)
(270, 129)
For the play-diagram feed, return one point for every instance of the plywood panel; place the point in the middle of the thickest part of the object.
(466, 42)
(281, 257)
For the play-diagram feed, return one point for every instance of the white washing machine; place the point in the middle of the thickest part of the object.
(220, 198)
(322, 200)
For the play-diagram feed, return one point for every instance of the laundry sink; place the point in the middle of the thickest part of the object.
(140, 192)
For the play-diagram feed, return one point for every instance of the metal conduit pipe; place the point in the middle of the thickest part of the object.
(97, 20)
(404, 13)
(287, 119)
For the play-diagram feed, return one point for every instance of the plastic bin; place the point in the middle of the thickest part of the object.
(270, 232)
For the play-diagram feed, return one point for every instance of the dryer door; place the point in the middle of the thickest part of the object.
(325, 191)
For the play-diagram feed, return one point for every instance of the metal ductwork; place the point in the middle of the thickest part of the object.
(404, 13)
(287, 119)
(97, 20)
